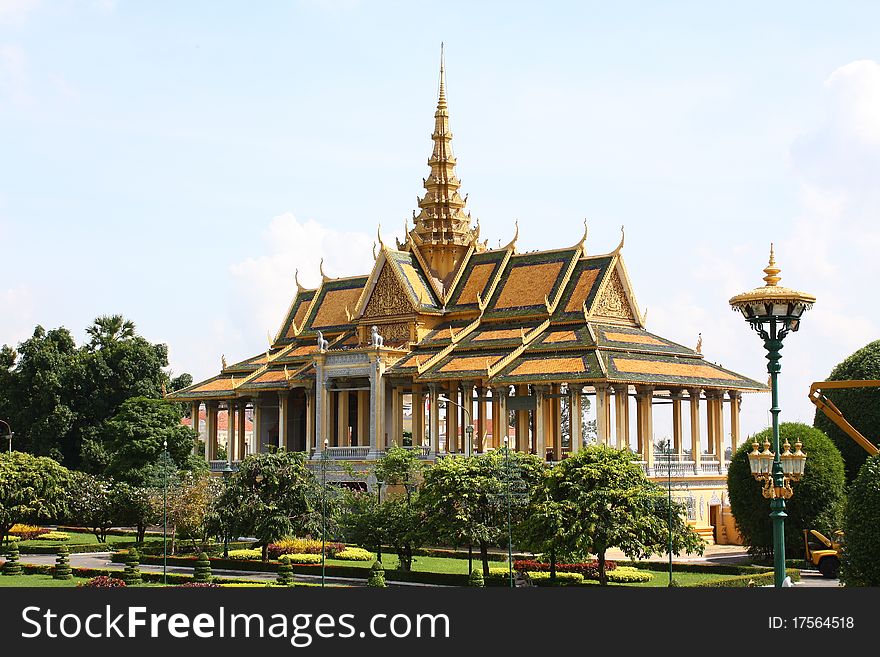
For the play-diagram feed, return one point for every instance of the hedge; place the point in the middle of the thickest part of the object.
(718, 569)
(46, 569)
(742, 581)
(72, 549)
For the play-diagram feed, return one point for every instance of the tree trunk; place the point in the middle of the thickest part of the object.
(484, 557)
(553, 566)
(603, 578)
(141, 533)
(265, 553)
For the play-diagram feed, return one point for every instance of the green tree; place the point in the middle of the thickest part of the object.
(462, 499)
(138, 507)
(32, 489)
(191, 500)
(272, 495)
(107, 330)
(94, 504)
(861, 554)
(362, 522)
(135, 436)
(817, 502)
(605, 501)
(860, 406)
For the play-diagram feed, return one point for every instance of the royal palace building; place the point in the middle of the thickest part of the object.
(514, 341)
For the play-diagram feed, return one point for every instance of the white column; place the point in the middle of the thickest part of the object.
(434, 417)
(540, 434)
(195, 418)
(696, 448)
(574, 416)
(282, 419)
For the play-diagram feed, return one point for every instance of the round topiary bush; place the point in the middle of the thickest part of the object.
(62, 564)
(818, 498)
(203, 569)
(285, 571)
(132, 574)
(12, 566)
(377, 576)
(476, 578)
(861, 552)
(860, 406)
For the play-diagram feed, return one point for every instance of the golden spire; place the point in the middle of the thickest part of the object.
(441, 224)
(772, 271)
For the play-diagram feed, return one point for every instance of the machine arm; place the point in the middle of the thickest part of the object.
(833, 413)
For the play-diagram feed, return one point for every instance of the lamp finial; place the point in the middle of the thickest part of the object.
(772, 271)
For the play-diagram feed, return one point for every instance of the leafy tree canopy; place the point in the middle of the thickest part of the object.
(602, 500)
(861, 565)
(818, 498)
(860, 406)
(32, 489)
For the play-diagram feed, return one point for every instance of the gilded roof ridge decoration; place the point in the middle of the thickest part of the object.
(526, 341)
(454, 340)
(289, 315)
(326, 287)
(435, 283)
(551, 307)
(453, 283)
(499, 260)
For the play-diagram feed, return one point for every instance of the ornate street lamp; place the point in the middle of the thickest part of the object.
(774, 312)
(9, 433)
(468, 429)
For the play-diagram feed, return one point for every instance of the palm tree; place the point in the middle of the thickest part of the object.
(108, 329)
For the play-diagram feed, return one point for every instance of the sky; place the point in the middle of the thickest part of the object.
(177, 162)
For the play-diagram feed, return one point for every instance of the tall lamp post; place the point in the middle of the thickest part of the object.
(469, 428)
(9, 433)
(325, 456)
(774, 312)
(227, 470)
(164, 513)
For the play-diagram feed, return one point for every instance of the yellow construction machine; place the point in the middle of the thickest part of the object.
(821, 551)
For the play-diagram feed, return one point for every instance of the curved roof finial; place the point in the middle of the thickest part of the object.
(299, 286)
(622, 238)
(512, 243)
(324, 277)
(375, 255)
(379, 235)
(582, 245)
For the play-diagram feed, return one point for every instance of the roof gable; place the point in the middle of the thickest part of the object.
(333, 306)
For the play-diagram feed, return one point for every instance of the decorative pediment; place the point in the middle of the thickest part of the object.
(388, 297)
(613, 300)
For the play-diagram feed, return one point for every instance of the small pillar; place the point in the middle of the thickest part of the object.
(696, 447)
(621, 415)
(242, 431)
(676, 422)
(735, 405)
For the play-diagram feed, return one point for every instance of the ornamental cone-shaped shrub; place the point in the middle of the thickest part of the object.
(132, 574)
(62, 564)
(12, 566)
(285, 571)
(476, 578)
(203, 569)
(377, 576)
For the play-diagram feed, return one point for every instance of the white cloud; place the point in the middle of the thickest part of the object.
(266, 283)
(17, 318)
(16, 11)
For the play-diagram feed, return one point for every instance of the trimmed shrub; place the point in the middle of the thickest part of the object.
(355, 554)
(12, 566)
(589, 569)
(62, 564)
(293, 545)
(55, 536)
(861, 553)
(860, 406)
(476, 578)
(377, 576)
(132, 574)
(198, 585)
(628, 575)
(247, 554)
(303, 558)
(102, 582)
(748, 581)
(542, 578)
(817, 503)
(202, 569)
(28, 532)
(285, 572)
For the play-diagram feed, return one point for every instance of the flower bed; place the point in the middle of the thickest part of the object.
(102, 582)
(589, 569)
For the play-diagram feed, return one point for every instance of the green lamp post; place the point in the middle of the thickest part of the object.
(774, 312)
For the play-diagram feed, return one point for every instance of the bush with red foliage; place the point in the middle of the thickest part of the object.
(102, 582)
(198, 585)
(589, 569)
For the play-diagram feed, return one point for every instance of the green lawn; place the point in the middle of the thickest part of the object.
(421, 564)
(43, 581)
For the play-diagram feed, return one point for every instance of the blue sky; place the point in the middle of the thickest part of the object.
(175, 162)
